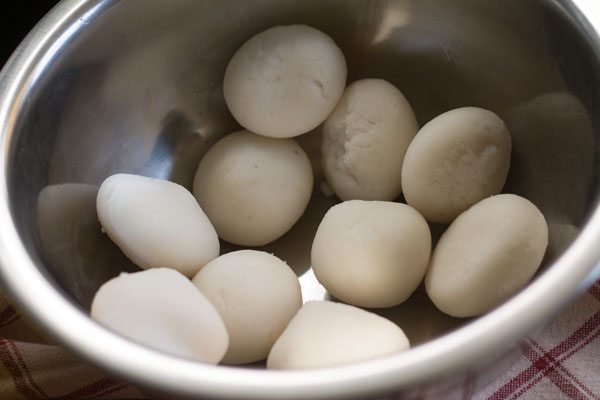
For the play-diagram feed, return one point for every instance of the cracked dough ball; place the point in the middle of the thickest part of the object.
(365, 139)
(257, 295)
(285, 81)
(326, 334)
(156, 223)
(456, 160)
(253, 188)
(486, 255)
(371, 253)
(163, 310)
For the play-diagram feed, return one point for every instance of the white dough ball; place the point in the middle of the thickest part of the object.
(488, 254)
(161, 308)
(156, 223)
(257, 294)
(371, 253)
(365, 139)
(253, 188)
(326, 334)
(285, 81)
(456, 160)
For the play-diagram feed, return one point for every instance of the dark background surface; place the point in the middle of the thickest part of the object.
(16, 20)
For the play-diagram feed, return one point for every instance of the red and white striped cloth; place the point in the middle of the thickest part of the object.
(564, 363)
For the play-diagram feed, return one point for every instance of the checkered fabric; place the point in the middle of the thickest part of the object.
(562, 363)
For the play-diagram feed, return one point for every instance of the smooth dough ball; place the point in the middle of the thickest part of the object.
(253, 188)
(488, 254)
(326, 334)
(161, 308)
(257, 295)
(156, 223)
(285, 81)
(456, 160)
(371, 253)
(365, 139)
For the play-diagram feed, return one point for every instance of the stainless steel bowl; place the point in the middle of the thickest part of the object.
(106, 86)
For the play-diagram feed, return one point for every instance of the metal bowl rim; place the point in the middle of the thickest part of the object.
(485, 337)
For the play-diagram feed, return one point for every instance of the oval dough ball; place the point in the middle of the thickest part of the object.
(371, 253)
(156, 223)
(456, 160)
(326, 334)
(161, 308)
(285, 81)
(488, 254)
(257, 295)
(365, 139)
(253, 188)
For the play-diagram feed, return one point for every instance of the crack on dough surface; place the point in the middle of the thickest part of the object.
(365, 139)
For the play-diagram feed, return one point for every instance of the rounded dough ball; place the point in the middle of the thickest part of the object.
(371, 253)
(253, 188)
(285, 81)
(156, 223)
(365, 139)
(488, 254)
(326, 334)
(161, 308)
(257, 295)
(456, 160)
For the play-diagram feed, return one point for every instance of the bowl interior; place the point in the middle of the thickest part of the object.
(138, 89)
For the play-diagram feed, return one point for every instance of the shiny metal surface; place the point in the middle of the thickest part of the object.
(110, 86)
